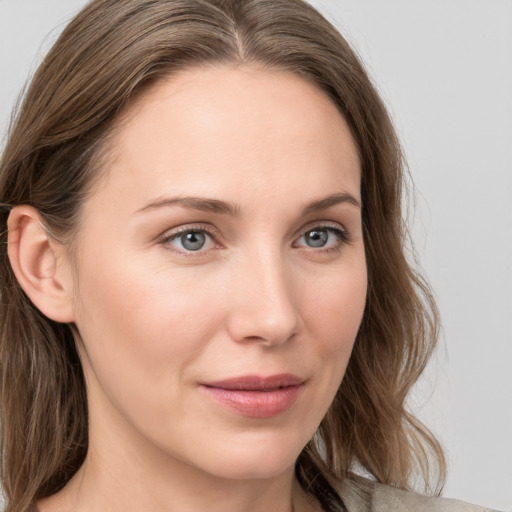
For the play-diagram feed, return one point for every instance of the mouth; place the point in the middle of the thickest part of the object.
(257, 383)
(255, 396)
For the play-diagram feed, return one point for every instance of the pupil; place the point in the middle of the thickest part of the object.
(193, 241)
(317, 238)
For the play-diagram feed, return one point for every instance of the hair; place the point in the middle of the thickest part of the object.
(109, 52)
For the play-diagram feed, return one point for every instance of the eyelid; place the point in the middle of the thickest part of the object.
(336, 226)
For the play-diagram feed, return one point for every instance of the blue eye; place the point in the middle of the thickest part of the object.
(191, 240)
(322, 237)
(317, 237)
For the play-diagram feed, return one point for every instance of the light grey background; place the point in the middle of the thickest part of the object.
(445, 69)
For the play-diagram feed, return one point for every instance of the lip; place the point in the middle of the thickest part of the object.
(256, 396)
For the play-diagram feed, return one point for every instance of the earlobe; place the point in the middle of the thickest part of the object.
(37, 261)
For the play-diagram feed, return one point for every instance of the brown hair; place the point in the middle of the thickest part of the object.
(106, 54)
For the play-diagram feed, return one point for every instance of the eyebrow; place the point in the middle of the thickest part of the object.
(332, 200)
(233, 210)
(196, 203)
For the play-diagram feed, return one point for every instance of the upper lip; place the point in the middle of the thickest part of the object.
(257, 382)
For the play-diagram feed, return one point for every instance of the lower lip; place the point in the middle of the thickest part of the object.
(256, 404)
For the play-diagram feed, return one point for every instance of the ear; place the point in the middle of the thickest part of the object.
(39, 264)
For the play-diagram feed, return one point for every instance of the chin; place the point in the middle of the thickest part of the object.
(258, 468)
(260, 458)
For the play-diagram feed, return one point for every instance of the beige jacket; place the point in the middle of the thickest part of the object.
(362, 495)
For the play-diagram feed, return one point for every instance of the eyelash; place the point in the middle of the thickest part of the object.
(342, 234)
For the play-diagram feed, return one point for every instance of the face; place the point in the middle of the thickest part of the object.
(220, 271)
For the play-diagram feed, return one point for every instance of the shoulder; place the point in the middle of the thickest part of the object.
(363, 495)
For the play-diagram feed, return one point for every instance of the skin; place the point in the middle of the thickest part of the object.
(155, 319)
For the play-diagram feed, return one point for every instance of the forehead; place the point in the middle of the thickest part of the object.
(216, 130)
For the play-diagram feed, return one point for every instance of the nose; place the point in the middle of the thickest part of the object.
(262, 304)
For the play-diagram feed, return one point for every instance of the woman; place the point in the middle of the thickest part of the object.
(205, 298)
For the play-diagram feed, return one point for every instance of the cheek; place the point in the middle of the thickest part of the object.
(333, 313)
(130, 299)
(334, 305)
(141, 326)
